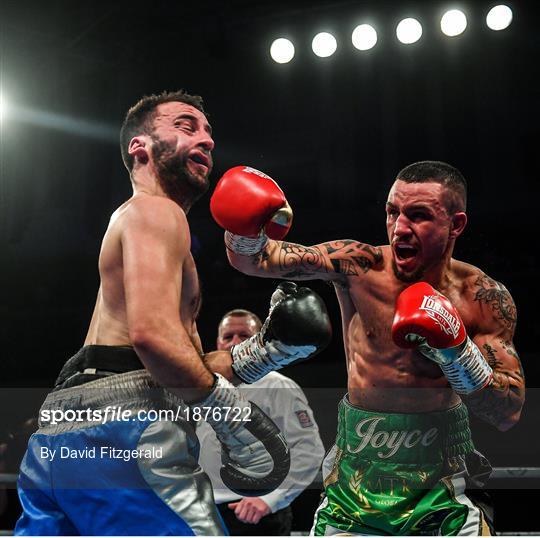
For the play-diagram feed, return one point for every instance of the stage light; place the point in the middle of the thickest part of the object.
(62, 122)
(282, 51)
(409, 31)
(364, 37)
(499, 17)
(324, 44)
(4, 106)
(453, 23)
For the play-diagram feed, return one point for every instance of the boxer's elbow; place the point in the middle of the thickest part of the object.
(508, 422)
(503, 414)
(264, 264)
(504, 417)
(141, 339)
(505, 425)
(172, 362)
(513, 410)
(145, 342)
(244, 264)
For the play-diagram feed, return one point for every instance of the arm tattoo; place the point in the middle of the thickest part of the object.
(509, 348)
(493, 405)
(298, 260)
(347, 257)
(363, 256)
(491, 358)
(505, 395)
(345, 267)
(498, 401)
(261, 256)
(497, 297)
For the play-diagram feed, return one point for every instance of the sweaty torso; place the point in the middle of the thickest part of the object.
(109, 324)
(382, 376)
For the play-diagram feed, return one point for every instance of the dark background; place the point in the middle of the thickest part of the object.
(333, 132)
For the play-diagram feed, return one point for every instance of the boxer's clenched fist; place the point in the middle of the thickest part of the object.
(297, 327)
(422, 311)
(250, 206)
(426, 319)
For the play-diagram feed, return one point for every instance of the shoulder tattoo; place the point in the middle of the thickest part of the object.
(497, 297)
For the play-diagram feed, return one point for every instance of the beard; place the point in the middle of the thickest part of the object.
(413, 276)
(173, 174)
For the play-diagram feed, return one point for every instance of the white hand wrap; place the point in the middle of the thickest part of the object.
(464, 366)
(246, 246)
(253, 359)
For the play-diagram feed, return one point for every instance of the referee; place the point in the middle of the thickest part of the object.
(285, 403)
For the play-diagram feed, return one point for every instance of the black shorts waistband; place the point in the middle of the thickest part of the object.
(96, 362)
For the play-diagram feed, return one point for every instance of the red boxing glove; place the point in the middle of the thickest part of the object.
(246, 201)
(423, 311)
(428, 321)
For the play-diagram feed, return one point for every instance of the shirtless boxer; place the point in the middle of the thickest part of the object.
(424, 334)
(141, 476)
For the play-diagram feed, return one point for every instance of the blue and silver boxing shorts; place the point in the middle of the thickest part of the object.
(102, 464)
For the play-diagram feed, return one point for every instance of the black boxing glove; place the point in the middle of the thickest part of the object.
(297, 327)
(255, 457)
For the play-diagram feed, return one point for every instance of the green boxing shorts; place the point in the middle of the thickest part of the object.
(401, 474)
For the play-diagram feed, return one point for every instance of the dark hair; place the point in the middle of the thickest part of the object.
(139, 118)
(240, 313)
(443, 173)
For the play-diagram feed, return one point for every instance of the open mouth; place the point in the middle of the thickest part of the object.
(405, 252)
(200, 158)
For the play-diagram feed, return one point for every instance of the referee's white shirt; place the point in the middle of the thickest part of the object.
(285, 403)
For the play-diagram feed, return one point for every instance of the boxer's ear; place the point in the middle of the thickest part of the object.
(459, 221)
(138, 149)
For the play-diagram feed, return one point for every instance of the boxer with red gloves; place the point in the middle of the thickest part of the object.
(428, 320)
(264, 210)
(427, 338)
(298, 326)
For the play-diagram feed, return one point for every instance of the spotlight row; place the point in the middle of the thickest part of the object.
(364, 37)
